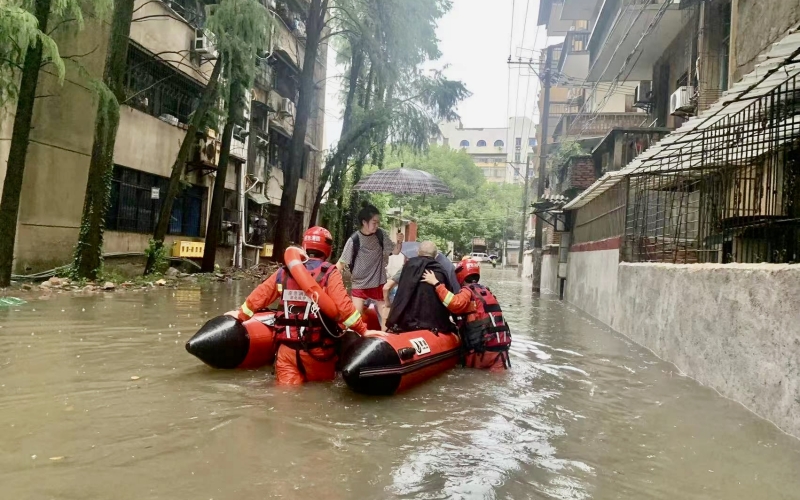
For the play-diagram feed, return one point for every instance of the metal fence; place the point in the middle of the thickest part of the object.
(729, 192)
(601, 218)
(136, 203)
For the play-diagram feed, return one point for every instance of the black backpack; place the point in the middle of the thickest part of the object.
(357, 245)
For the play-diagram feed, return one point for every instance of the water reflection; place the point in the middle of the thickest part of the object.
(101, 384)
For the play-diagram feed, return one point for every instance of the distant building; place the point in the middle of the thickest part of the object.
(500, 152)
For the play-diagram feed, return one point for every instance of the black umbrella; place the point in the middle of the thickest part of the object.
(403, 181)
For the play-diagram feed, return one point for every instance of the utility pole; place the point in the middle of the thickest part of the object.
(524, 216)
(505, 240)
(537, 239)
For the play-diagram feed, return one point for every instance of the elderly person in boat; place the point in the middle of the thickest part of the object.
(416, 306)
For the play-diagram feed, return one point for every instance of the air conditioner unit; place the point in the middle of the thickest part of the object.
(643, 94)
(287, 107)
(203, 42)
(207, 151)
(681, 101)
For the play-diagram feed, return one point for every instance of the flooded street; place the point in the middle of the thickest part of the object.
(99, 400)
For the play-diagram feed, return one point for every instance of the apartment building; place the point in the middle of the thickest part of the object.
(687, 241)
(169, 61)
(501, 153)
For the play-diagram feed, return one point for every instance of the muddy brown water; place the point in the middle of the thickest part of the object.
(583, 413)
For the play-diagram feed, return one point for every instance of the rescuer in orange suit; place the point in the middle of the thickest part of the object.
(485, 336)
(305, 338)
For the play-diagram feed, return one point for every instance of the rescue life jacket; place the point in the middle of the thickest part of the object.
(297, 323)
(485, 329)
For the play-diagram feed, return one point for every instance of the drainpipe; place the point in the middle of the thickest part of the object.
(238, 256)
(237, 253)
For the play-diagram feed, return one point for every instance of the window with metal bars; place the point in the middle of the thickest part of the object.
(729, 193)
(132, 207)
(158, 89)
(192, 11)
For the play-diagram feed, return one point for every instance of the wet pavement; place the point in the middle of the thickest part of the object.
(99, 400)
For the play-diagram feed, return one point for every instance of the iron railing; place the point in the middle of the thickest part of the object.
(158, 89)
(727, 193)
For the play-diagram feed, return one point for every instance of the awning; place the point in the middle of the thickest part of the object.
(663, 156)
(258, 198)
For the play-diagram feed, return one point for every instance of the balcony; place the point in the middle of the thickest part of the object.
(619, 28)
(579, 9)
(595, 124)
(550, 15)
(573, 65)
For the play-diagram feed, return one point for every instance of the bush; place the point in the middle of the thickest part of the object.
(159, 255)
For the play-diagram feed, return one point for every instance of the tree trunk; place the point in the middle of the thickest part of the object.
(189, 141)
(217, 200)
(291, 174)
(89, 251)
(9, 205)
(336, 164)
(355, 70)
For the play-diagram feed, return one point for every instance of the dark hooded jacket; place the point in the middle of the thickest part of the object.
(416, 305)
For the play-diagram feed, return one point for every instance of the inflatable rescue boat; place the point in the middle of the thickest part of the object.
(225, 342)
(396, 362)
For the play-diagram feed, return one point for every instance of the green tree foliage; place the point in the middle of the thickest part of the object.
(241, 32)
(477, 209)
(388, 98)
(89, 250)
(27, 46)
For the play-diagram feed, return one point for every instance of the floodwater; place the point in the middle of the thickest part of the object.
(99, 400)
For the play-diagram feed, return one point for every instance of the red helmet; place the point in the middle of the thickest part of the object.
(467, 268)
(318, 238)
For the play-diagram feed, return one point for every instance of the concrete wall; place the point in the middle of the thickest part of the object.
(755, 25)
(57, 162)
(592, 283)
(732, 327)
(549, 283)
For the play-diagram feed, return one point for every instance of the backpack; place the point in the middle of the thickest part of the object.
(357, 245)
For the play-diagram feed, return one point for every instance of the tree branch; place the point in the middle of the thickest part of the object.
(59, 24)
(44, 96)
(148, 2)
(78, 56)
(11, 63)
(335, 33)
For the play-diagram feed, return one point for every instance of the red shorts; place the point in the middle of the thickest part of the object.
(375, 293)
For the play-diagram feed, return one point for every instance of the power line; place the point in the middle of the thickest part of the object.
(519, 78)
(615, 82)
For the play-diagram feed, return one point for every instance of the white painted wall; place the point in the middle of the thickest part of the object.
(592, 283)
(733, 327)
(549, 283)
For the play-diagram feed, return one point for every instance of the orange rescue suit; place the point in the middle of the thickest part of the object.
(463, 303)
(318, 364)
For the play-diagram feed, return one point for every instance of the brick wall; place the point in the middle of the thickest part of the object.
(581, 173)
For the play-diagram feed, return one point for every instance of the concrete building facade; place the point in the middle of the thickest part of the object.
(165, 77)
(688, 241)
(501, 153)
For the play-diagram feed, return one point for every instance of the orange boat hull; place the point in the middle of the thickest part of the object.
(227, 343)
(397, 362)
